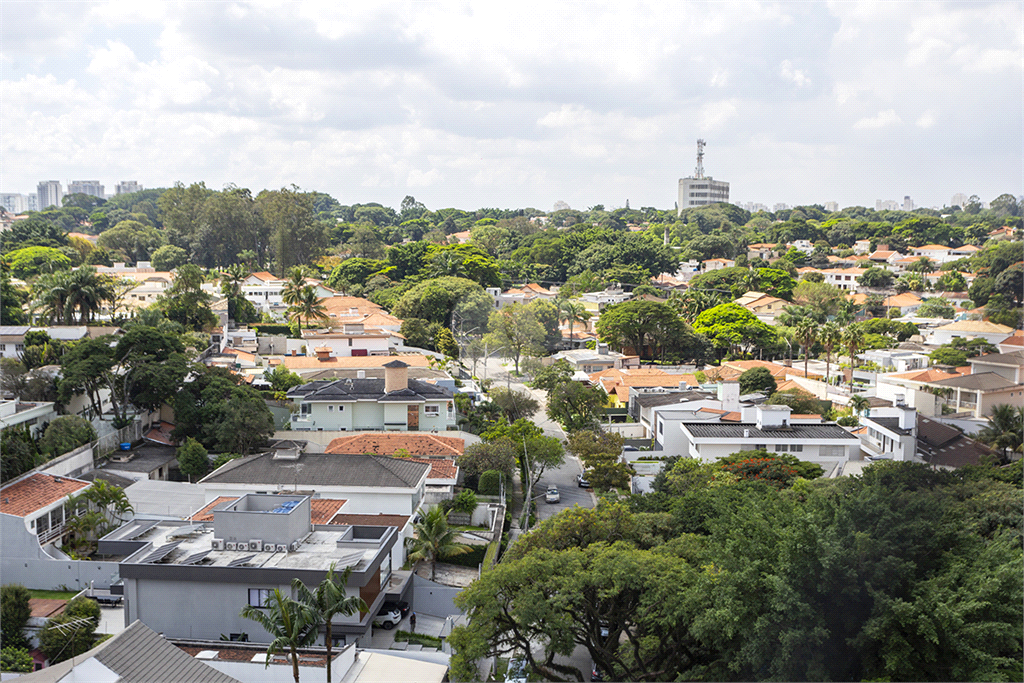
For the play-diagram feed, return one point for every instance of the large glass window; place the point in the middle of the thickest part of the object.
(258, 596)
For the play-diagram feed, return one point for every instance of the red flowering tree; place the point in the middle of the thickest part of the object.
(769, 470)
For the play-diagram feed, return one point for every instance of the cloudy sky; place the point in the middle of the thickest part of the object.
(476, 104)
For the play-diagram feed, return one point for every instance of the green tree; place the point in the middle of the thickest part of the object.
(291, 623)
(246, 424)
(168, 257)
(297, 235)
(86, 291)
(186, 303)
(15, 613)
(830, 337)
(757, 380)
(444, 342)
(438, 299)
(434, 539)
(799, 401)
(1010, 283)
(572, 312)
(633, 323)
(875, 277)
(12, 302)
(498, 455)
(823, 298)
(514, 404)
(600, 453)
(731, 326)
(192, 459)
(71, 633)
(133, 239)
(18, 453)
(64, 434)
(935, 307)
(329, 599)
(1004, 429)
(15, 659)
(575, 406)
(309, 307)
(951, 281)
(282, 379)
(542, 453)
(807, 336)
(516, 330)
(922, 265)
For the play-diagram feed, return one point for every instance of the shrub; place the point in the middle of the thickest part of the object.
(464, 502)
(15, 659)
(192, 458)
(65, 434)
(471, 559)
(490, 483)
(14, 613)
(769, 470)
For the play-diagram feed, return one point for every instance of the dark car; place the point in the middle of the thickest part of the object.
(583, 483)
(402, 606)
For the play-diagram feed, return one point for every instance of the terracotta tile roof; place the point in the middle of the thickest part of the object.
(37, 492)
(371, 520)
(309, 362)
(761, 245)
(44, 608)
(880, 254)
(904, 299)
(390, 443)
(976, 326)
(732, 416)
(846, 271)
(931, 247)
(381, 319)
(787, 385)
(967, 247)
(738, 367)
(809, 416)
(205, 513)
(340, 306)
(931, 375)
(265, 276)
(323, 510)
(440, 468)
(161, 433)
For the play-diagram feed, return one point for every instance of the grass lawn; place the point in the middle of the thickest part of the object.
(52, 595)
(421, 638)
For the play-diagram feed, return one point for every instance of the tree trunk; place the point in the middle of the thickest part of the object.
(328, 642)
(295, 664)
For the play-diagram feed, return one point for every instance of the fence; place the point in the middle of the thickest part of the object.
(110, 442)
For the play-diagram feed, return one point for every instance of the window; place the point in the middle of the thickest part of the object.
(258, 596)
(431, 410)
(330, 409)
(350, 341)
(341, 408)
(661, 427)
(796, 448)
(781, 448)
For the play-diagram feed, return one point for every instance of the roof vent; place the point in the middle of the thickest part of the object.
(746, 433)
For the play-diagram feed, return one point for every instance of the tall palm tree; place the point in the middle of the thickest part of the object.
(292, 623)
(572, 312)
(292, 290)
(327, 600)
(86, 291)
(829, 336)
(51, 296)
(433, 539)
(308, 306)
(853, 340)
(859, 404)
(1004, 428)
(806, 335)
(231, 280)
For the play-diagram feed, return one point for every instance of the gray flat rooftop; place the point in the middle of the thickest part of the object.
(316, 552)
(702, 430)
(175, 499)
(145, 458)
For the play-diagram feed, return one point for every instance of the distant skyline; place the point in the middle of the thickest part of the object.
(472, 105)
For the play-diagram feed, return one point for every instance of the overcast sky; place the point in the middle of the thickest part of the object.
(486, 104)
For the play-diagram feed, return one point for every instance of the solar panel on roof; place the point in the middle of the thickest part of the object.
(195, 557)
(186, 530)
(142, 528)
(160, 553)
(240, 561)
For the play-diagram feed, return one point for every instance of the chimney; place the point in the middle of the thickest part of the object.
(396, 376)
(746, 433)
(602, 349)
(729, 395)
(908, 418)
(322, 353)
(683, 386)
(360, 374)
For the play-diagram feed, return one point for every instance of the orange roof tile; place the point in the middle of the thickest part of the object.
(323, 510)
(390, 443)
(205, 513)
(931, 247)
(371, 520)
(930, 375)
(713, 410)
(732, 416)
(440, 468)
(264, 275)
(161, 434)
(809, 416)
(44, 608)
(37, 492)
(777, 370)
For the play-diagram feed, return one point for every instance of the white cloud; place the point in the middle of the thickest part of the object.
(925, 120)
(796, 76)
(889, 117)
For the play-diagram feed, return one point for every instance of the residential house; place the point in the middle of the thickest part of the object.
(617, 382)
(964, 251)
(395, 403)
(308, 365)
(1008, 365)
(843, 278)
(137, 653)
(862, 246)
(352, 339)
(147, 461)
(1015, 342)
(644, 400)
(192, 580)
(771, 429)
(439, 452)
(901, 434)
(12, 340)
(459, 237)
(668, 283)
(884, 257)
(980, 392)
(762, 250)
(264, 290)
(26, 415)
(899, 360)
(349, 309)
(969, 329)
(936, 253)
(717, 264)
(801, 245)
(1003, 233)
(613, 294)
(35, 512)
(913, 388)
(589, 362)
(765, 307)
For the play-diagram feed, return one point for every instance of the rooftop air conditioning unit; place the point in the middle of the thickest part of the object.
(218, 544)
(256, 545)
(269, 546)
(231, 545)
(243, 546)
(282, 548)
(294, 546)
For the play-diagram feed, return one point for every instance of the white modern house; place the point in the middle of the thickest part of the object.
(395, 403)
(15, 413)
(352, 339)
(991, 332)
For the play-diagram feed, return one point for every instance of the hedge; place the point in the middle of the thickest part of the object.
(271, 329)
(471, 559)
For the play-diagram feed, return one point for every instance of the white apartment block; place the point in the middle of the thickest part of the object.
(127, 187)
(50, 193)
(886, 205)
(832, 206)
(90, 187)
(14, 202)
(701, 192)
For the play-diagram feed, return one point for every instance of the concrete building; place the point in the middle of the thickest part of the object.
(353, 339)
(587, 361)
(14, 202)
(899, 433)
(90, 187)
(781, 206)
(832, 206)
(395, 403)
(700, 190)
(908, 203)
(49, 193)
(970, 329)
(33, 416)
(127, 187)
(959, 199)
(192, 580)
(886, 205)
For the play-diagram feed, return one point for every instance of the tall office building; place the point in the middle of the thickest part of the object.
(50, 193)
(127, 187)
(886, 205)
(700, 190)
(92, 188)
(832, 206)
(14, 202)
(908, 203)
(959, 199)
(33, 202)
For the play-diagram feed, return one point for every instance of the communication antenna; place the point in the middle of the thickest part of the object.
(699, 173)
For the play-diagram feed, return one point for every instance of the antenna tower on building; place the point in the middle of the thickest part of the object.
(699, 173)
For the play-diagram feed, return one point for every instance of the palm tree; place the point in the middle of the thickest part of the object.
(231, 281)
(853, 340)
(329, 599)
(51, 296)
(1003, 430)
(308, 306)
(292, 290)
(292, 623)
(806, 335)
(434, 539)
(86, 291)
(572, 312)
(829, 336)
(859, 404)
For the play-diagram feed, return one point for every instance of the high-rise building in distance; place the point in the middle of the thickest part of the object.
(832, 206)
(959, 199)
(908, 203)
(50, 193)
(14, 202)
(127, 187)
(700, 190)
(93, 188)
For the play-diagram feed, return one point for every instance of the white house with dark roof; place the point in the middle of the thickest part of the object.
(395, 403)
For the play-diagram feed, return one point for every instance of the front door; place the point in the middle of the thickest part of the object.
(413, 418)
